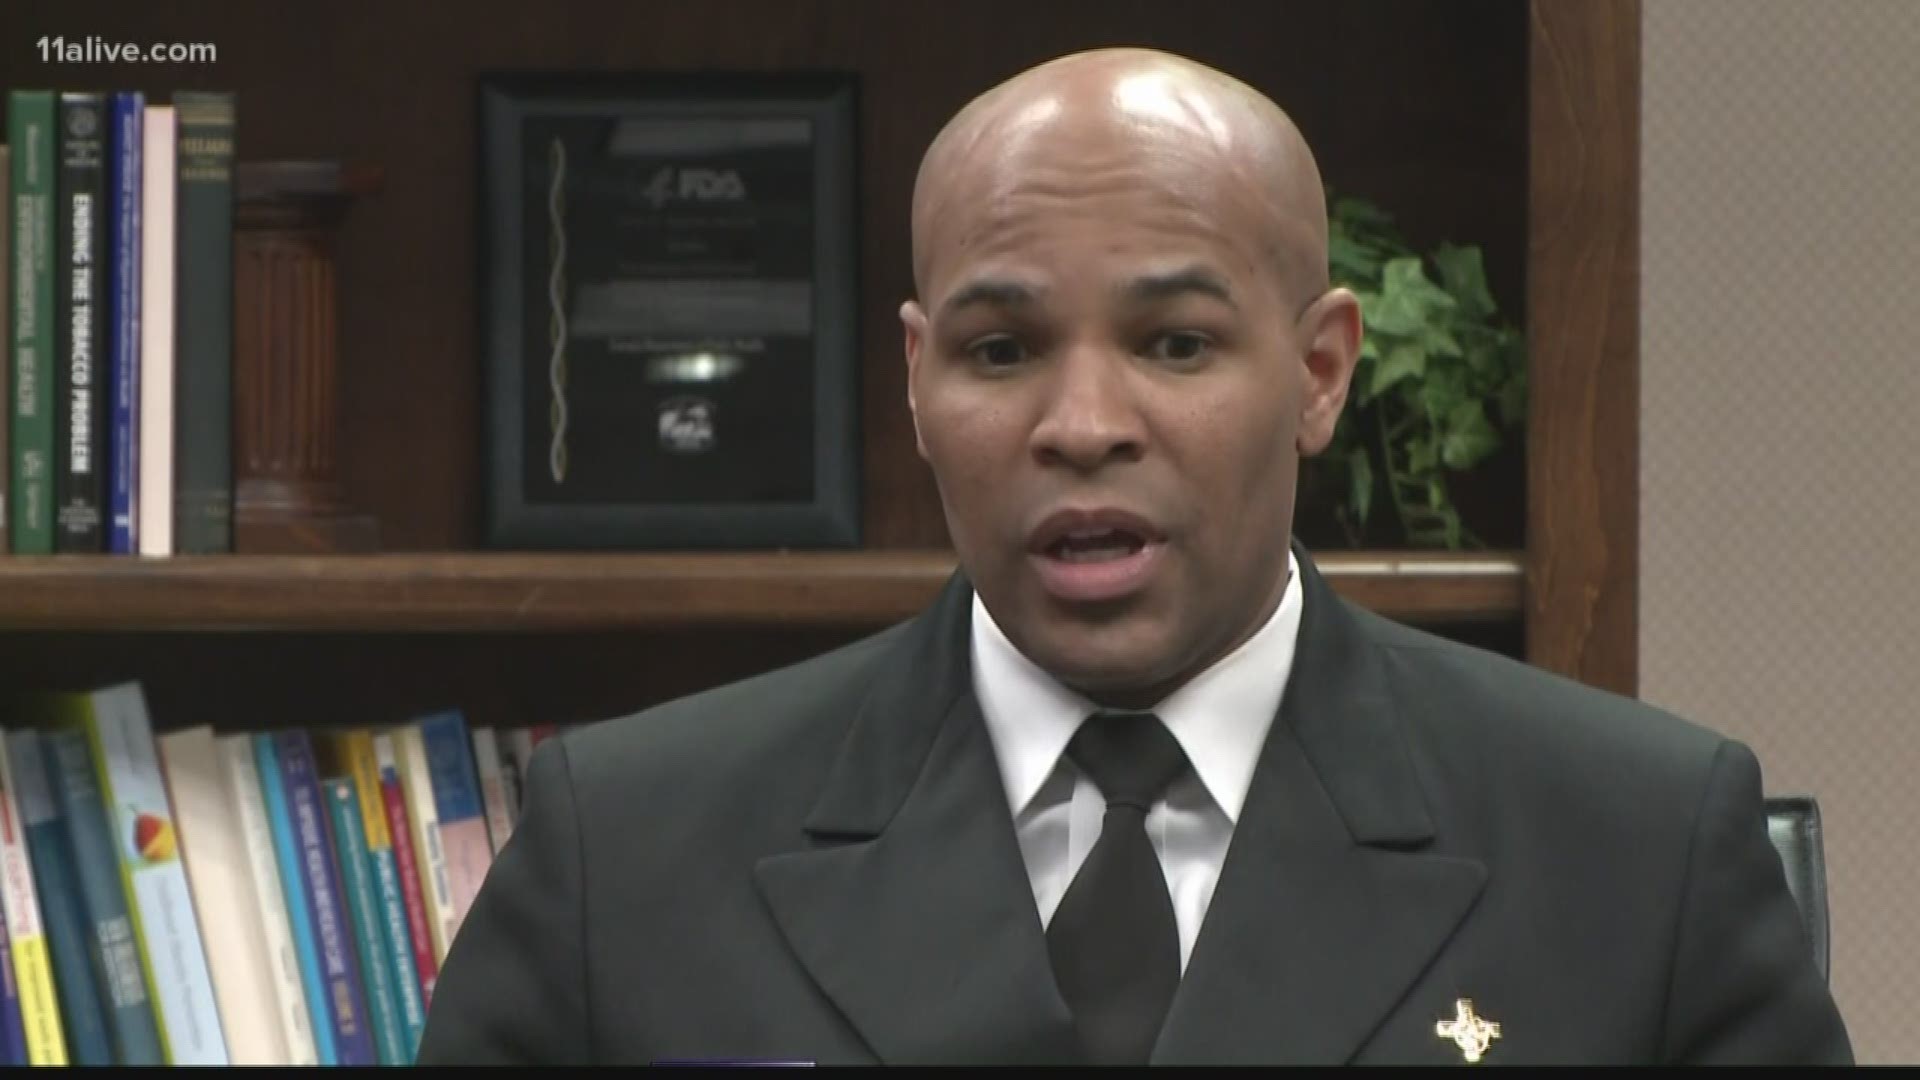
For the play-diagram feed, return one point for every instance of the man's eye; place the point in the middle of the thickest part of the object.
(1179, 347)
(1000, 351)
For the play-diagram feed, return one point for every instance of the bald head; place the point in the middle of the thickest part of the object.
(1208, 136)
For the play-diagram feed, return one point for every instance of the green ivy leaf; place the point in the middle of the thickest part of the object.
(1360, 482)
(1420, 455)
(1469, 437)
(1351, 261)
(1404, 360)
(1464, 275)
(1443, 392)
(1439, 341)
(1513, 399)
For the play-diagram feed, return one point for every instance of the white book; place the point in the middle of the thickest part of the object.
(403, 750)
(215, 855)
(255, 833)
(495, 798)
(153, 509)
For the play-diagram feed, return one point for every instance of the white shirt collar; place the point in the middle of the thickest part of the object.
(1220, 717)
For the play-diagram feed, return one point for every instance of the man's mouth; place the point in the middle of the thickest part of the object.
(1096, 555)
(1096, 545)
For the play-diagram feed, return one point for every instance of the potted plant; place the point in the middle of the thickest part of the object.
(1440, 383)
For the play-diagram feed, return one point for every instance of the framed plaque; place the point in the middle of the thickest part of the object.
(668, 305)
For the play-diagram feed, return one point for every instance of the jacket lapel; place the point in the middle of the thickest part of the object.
(911, 907)
(1329, 904)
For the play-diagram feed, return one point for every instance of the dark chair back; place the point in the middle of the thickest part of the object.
(1793, 823)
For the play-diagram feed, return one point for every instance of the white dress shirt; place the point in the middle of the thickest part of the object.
(1220, 718)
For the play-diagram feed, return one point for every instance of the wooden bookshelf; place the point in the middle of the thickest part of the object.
(463, 592)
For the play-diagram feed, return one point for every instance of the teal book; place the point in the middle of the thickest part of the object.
(366, 911)
(82, 1010)
(113, 949)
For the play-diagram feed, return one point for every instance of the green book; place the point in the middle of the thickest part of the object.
(363, 903)
(31, 341)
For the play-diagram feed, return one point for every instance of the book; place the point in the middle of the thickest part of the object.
(320, 878)
(83, 1008)
(6, 366)
(153, 497)
(146, 847)
(43, 1037)
(290, 1010)
(111, 945)
(407, 863)
(120, 353)
(436, 890)
(367, 919)
(215, 855)
(458, 808)
(203, 327)
(363, 763)
(299, 906)
(80, 324)
(32, 345)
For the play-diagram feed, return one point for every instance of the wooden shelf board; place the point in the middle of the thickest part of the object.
(481, 592)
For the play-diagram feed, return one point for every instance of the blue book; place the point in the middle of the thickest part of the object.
(286, 849)
(332, 928)
(13, 1027)
(125, 158)
(82, 1010)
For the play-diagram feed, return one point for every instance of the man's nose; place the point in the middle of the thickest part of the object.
(1090, 417)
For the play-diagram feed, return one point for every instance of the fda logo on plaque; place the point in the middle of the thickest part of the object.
(686, 425)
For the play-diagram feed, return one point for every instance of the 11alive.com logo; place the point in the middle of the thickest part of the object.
(683, 183)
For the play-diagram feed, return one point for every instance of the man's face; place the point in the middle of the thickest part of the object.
(1112, 384)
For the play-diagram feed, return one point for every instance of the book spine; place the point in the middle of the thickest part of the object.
(82, 1010)
(80, 257)
(153, 492)
(116, 955)
(494, 789)
(127, 147)
(215, 860)
(256, 837)
(346, 1000)
(369, 934)
(406, 864)
(458, 806)
(45, 1041)
(33, 343)
(299, 903)
(364, 763)
(148, 852)
(13, 1028)
(435, 886)
(203, 359)
(6, 363)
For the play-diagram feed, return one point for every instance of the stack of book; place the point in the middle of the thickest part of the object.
(198, 897)
(117, 431)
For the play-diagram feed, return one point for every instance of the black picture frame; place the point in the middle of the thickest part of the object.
(773, 486)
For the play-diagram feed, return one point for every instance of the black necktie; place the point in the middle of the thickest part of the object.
(1113, 940)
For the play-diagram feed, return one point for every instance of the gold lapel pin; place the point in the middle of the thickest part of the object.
(1471, 1033)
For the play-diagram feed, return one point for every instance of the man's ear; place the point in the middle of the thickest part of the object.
(913, 322)
(1334, 331)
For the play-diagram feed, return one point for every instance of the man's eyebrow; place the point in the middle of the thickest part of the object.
(994, 292)
(1187, 279)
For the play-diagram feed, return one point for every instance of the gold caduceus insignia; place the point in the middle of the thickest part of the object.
(1471, 1033)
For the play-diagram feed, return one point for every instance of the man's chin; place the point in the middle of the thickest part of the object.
(1131, 676)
